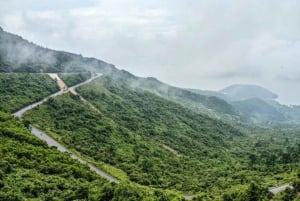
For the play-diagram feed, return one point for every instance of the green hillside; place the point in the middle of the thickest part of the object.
(158, 140)
(29, 57)
(72, 79)
(159, 143)
(20, 89)
(258, 110)
(205, 104)
(30, 170)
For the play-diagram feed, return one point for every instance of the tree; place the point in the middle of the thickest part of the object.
(289, 195)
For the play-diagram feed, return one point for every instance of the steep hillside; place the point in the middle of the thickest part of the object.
(209, 105)
(259, 110)
(20, 89)
(72, 79)
(20, 55)
(262, 111)
(131, 137)
(30, 170)
(291, 113)
(156, 142)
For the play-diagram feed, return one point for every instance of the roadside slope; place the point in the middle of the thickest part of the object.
(21, 89)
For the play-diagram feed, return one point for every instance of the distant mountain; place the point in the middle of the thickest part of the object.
(211, 93)
(255, 103)
(239, 92)
(258, 110)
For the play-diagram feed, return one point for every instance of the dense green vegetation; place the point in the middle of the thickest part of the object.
(134, 127)
(209, 105)
(20, 89)
(256, 104)
(30, 170)
(258, 110)
(139, 129)
(72, 79)
(290, 194)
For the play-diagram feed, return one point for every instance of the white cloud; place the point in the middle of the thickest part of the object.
(13, 21)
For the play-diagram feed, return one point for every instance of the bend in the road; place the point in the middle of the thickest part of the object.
(29, 107)
(51, 142)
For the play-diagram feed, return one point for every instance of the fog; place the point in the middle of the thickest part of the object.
(193, 44)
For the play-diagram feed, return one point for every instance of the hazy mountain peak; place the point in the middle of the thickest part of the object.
(246, 91)
(20, 55)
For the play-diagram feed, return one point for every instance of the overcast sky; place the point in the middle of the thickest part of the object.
(188, 43)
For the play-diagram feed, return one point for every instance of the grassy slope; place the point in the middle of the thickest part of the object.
(20, 89)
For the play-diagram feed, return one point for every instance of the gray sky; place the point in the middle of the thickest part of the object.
(192, 43)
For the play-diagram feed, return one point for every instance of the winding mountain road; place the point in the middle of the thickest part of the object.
(29, 107)
(53, 143)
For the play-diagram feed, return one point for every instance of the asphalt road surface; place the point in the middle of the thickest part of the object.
(53, 143)
(278, 189)
(29, 107)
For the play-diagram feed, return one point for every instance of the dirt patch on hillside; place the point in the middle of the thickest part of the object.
(173, 151)
(59, 81)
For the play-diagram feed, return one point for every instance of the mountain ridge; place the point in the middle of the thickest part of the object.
(20, 55)
(40, 59)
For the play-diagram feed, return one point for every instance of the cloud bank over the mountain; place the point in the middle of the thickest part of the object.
(200, 44)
